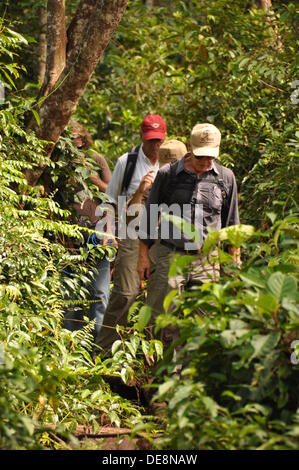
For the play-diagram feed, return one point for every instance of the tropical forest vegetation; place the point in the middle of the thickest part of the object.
(106, 64)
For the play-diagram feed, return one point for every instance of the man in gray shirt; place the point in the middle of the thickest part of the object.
(200, 191)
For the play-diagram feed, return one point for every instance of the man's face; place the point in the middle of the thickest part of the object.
(78, 140)
(202, 164)
(151, 147)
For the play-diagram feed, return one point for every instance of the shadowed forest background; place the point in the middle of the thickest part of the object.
(230, 63)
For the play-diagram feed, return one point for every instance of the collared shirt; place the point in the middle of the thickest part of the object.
(143, 166)
(207, 209)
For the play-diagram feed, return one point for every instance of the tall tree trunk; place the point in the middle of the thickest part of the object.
(149, 4)
(267, 7)
(266, 4)
(57, 108)
(56, 44)
(42, 46)
(79, 24)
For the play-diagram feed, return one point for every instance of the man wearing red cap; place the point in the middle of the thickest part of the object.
(133, 176)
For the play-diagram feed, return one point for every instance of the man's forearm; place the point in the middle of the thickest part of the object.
(143, 250)
(99, 183)
(136, 198)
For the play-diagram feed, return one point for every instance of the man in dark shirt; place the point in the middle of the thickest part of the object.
(200, 191)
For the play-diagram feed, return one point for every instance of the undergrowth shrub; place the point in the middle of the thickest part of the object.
(237, 352)
(48, 381)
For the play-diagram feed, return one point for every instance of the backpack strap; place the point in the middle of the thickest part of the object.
(220, 182)
(170, 182)
(130, 168)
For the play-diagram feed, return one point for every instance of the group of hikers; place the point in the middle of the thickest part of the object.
(157, 180)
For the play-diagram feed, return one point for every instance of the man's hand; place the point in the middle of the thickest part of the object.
(110, 241)
(143, 265)
(146, 182)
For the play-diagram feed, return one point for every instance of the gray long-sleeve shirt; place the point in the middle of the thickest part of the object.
(201, 201)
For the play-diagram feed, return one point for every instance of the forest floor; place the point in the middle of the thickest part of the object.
(111, 438)
(108, 437)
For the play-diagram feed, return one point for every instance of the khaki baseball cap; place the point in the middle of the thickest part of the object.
(171, 150)
(205, 140)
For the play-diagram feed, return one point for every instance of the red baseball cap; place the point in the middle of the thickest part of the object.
(153, 127)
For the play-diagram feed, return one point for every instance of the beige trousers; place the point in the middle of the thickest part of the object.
(160, 284)
(126, 287)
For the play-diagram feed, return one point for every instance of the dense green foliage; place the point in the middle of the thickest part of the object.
(217, 61)
(47, 377)
(238, 387)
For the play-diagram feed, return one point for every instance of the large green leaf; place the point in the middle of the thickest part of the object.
(230, 338)
(168, 299)
(181, 394)
(144, 317)
(253, 277)
(282, 286)
(237, 234)
(267, 303)
(166, 386)
(116, 345)
(211, 406)
(263, 344)
(210, 242)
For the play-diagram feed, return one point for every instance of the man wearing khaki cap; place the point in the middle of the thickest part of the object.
(206, 194)
(171, 151)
